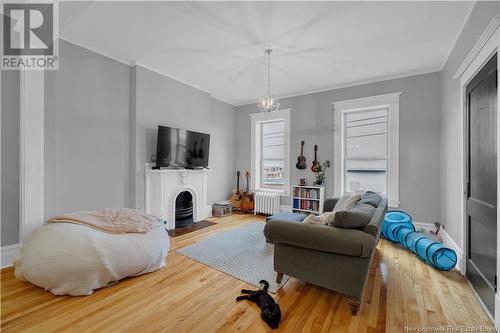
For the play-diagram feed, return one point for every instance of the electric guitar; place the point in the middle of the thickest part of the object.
(301, 160)
(237, 197)
(315, 167)
(247, 203)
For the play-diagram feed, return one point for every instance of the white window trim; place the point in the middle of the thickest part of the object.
(256, 118)
(340, 108)
(31, 153)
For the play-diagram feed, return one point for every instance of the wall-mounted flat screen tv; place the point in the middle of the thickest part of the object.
(180, 148)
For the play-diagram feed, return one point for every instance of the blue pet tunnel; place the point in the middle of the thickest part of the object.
(393, 220)
(398, 227)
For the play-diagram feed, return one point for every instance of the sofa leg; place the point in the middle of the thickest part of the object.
(354, 304)
(279, 277)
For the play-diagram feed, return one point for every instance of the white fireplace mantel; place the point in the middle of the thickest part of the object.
(163, 187)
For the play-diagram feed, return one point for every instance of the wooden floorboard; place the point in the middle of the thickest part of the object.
(187, 296)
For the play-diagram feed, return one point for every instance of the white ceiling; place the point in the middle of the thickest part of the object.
(219, 47)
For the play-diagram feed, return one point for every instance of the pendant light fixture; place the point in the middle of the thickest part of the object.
(269, 103)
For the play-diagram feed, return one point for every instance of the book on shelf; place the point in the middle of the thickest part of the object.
(308, 199)
(309, 193)
(305, 204)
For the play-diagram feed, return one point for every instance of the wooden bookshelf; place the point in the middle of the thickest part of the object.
(308, 199)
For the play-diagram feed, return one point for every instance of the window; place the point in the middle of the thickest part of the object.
(366, 144)
(365, 157)
(270, 151)
(272, 159)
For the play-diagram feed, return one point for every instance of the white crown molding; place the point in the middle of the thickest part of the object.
(8, 254)
(464, 23)
(132, 63)
(104, 54)
(248, 102)
(352, 84)
(481, 42)
(181, 81)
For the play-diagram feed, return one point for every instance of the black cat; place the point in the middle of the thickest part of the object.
(271, 313)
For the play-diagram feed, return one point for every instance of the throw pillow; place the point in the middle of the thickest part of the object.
(346, 202)
(312, 219)
(324, 219)
(355, 218)
(327, 218)
(370, 198)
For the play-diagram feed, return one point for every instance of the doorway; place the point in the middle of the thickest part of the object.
(481, 182)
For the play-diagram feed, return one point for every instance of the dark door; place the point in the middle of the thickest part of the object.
(481, 199)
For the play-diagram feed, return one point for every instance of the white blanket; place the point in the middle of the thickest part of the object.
(66, 258)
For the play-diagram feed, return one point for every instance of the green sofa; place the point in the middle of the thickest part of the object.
(334, 258)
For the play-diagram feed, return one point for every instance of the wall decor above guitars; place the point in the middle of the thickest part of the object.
(301, 160)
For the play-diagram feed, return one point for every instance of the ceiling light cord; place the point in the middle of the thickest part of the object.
(269, 103)
(269, 72)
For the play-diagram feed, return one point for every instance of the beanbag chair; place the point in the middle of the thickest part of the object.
(68, 258)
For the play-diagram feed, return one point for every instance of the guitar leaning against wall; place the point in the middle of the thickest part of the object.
(247, 203)
(237, 197)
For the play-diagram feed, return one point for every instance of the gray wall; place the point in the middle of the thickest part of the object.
(160, 100)
(451, 196)
(10, 156)
(86, 132)
(101, 118)
(312, 121)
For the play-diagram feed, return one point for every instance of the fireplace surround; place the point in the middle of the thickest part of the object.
(163, 187)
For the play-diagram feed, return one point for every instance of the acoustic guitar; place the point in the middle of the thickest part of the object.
(247, 203)
(315, 167)
(301, 160)
(237, 196)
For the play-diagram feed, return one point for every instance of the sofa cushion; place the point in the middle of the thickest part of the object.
(320, 237)
(329, 204)
(377, 220)
(370, 198)
(355, 218)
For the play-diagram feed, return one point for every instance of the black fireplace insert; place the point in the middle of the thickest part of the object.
(184, 210)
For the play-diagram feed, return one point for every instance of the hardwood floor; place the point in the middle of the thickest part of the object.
(187, 296)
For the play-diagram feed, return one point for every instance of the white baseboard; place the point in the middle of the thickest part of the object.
(285, 208)
(206, 213)
(424, 226)
(8, 254)
(449, 242)
(497, 311)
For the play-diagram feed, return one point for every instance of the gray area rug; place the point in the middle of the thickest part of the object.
(241, 252)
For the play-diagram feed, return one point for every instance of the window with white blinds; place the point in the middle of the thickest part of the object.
(272, 159)
(270, 151)
(366, 146)
(365, 151)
